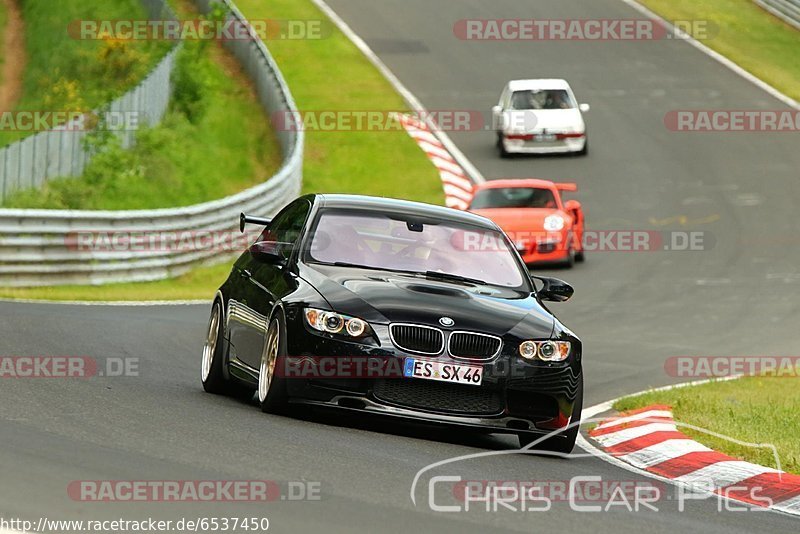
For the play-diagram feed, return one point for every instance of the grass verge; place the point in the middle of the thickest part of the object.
(751, 409)
(213, 142)
(324, 74)
(3, 23)
(332, 74)
(65, 73)
(754, 39)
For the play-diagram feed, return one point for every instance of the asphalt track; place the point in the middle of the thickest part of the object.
(633, 310)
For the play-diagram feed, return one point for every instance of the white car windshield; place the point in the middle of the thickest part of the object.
(396, 242)
(542, 99)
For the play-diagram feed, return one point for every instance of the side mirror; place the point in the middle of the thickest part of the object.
(497, 110)
(555, 290)
(572, 205)
(584, 108)
(267, 252)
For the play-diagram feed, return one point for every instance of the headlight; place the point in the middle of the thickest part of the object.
(553, 223)
(549, 351)
(335, 323)
(528, 350)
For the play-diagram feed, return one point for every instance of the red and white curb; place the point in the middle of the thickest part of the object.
(457, 187)
(648, 439)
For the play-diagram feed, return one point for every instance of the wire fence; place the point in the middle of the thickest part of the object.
(61, 151)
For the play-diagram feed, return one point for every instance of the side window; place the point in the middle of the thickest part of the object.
(287, 225)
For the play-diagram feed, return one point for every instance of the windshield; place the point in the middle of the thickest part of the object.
(542, 99)
(513, 197)
(381, 241)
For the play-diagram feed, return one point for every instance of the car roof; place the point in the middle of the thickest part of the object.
(405, 207)
(544, 83)
(525, 182)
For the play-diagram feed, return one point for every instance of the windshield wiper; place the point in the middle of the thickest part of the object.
(433, 275)
(448, 277)
(368, 267)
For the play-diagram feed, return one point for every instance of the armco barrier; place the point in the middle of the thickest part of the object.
(788, 10)
(35, 245)
(30, 162)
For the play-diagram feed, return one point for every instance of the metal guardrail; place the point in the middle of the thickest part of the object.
(37, 246)
(788, 10)
(60, 152)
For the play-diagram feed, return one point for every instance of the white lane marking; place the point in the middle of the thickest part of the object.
(412, 101)
(627, 434)
(661, 452)
(111, 302)
(723, 474)
(635, 417)
(758, 82)
(790, 506)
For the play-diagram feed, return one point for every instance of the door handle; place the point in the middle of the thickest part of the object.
(246, 273)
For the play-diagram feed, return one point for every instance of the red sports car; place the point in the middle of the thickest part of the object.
(543, 227)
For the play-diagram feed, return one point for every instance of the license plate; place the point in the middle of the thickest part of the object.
(443, 372)
(544, 138)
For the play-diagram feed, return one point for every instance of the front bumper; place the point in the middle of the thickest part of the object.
(561, 146)
(515, 396)
(552, 250)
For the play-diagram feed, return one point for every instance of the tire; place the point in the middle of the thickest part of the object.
(211, 370)
(271, 388)
(580, 257)
(569, 263)
(564, 442)
(502, 149)
(585, 150)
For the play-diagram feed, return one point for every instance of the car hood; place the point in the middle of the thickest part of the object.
(382, 297)
(534, 121)
(516, 220)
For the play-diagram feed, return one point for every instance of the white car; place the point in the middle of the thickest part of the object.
(540, 117)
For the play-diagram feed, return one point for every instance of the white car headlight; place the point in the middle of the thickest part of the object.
(335, 323)
(549, 351)
(553, 223)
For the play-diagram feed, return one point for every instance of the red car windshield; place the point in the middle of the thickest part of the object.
(513, 197)
(396, 243)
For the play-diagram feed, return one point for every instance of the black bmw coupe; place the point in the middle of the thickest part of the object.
(396, 308)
